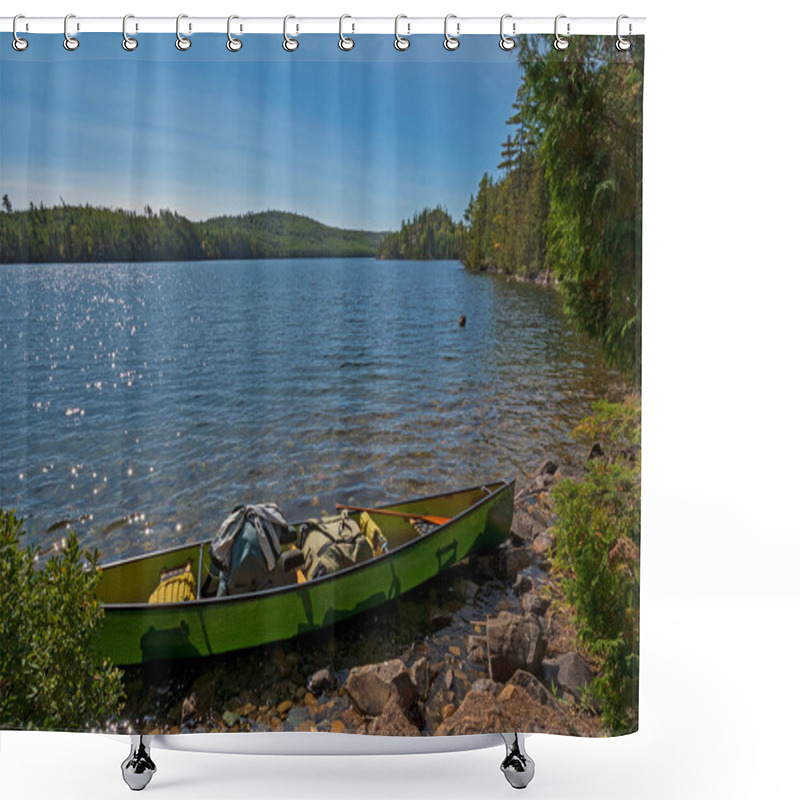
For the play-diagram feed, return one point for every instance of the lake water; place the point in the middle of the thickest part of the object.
(140, 402)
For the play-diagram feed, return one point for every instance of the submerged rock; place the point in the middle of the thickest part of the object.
(370, 687)
(321, 681)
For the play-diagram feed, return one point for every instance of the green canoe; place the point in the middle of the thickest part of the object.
(134, 630)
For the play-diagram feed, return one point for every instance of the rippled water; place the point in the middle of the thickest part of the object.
(140, 402)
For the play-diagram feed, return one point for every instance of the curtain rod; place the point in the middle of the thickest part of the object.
(408, 26)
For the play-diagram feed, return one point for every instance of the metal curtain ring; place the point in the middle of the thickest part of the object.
(451, 42)
(622, 42)
(18, 43)
(561, 42)
(506, 42)
(289, 44)
(345, 43)
(233, 44)
(70, 42)
(400, 42)
(128, 42)
(181, 42)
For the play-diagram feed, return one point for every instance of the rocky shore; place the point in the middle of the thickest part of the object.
(487, 649)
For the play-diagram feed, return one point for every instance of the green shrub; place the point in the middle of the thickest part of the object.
(597, 558)
(50, 677)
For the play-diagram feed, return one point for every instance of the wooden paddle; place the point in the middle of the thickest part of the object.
(424, 517)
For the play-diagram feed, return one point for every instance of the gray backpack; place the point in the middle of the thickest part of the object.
(247, 548)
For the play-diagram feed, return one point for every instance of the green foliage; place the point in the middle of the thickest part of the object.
(430, 234)
(584, 114)
(85, 234)
(597, 541)
(50, 677)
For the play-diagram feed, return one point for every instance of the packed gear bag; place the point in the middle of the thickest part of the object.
(247, 548)
(176, 586)
(331, 544)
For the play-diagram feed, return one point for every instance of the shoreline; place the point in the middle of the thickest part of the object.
(499, 653)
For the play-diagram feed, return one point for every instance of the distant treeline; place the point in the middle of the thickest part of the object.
(430, 234)
(81, 234)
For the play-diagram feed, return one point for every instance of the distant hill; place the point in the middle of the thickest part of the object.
(87, 234)
(430, 234)
(279, 234)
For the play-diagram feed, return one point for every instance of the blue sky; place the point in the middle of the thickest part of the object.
(359, 139)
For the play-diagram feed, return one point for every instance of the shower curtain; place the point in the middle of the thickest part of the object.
(318, 279)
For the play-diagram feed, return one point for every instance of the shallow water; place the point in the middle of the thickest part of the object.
(140, 402)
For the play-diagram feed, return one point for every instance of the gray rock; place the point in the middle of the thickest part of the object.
(371, 686)
(535, 604)
(515, 642)
(423, 676)
(534, 687)
(546, 468)
(573, 674)
(487, 685)
(523, 584)
(476, 649)
(321, 681)
(569, 674)
(543, 544)
(510, 560)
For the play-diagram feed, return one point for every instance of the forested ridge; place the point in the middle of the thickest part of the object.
(86, 234)
(431, 233)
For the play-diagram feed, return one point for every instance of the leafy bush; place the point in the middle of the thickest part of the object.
(597, 557)
(50, 677)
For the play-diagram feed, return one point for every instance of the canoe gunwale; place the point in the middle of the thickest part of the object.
(501, 486)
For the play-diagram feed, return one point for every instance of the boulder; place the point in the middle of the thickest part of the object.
(535, 604)
(533, 686)
(321, 681)
(511, 709)
(423, 675)
(523, 584)
(543, 544)
(487, 685)
(476, 649)
(515, 642)
(546, 468)
(510, 560)
(573, 674)
(371, 686)
(393, 721)
(568, 674)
